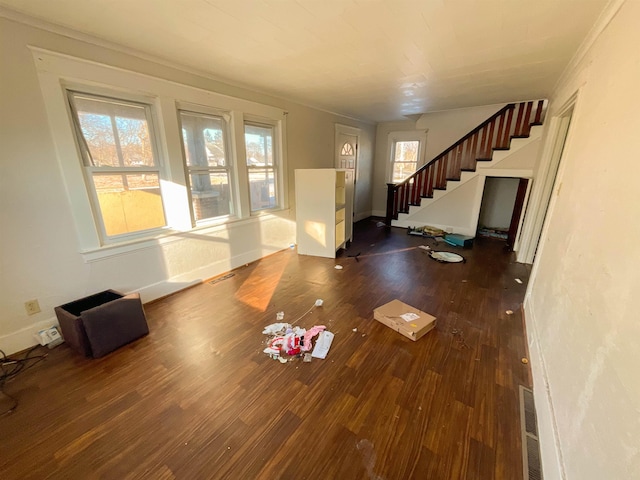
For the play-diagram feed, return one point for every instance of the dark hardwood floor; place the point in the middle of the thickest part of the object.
(197, 398)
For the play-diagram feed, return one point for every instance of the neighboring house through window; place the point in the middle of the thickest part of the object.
(117, 139)
(140, 168)
(261, 166)
(209, 169)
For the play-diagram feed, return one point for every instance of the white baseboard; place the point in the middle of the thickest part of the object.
(23, 338)
(550, 449)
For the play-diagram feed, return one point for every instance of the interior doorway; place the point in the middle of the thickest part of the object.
(501, 209)
(541, 196)
(347, 140)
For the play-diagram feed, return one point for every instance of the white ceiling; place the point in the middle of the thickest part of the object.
(377, 60)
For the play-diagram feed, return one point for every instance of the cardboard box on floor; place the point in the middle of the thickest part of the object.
(404, 319)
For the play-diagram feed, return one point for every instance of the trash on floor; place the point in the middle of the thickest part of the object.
(509, 312)
(405, 319)
(426, 231)
(489, 232)
(355, 329)
(456, 240)
(425, 247)
(338, 267)
(518, 281)
(286, 339)
(381, 224)
(322, 345)
(447, 257)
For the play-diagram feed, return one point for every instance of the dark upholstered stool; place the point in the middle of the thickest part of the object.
(101, 323)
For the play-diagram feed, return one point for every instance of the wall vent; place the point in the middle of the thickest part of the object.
(529, 426)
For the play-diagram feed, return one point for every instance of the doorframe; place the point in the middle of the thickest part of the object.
(346, 130)
(555, 148)
(341, 129)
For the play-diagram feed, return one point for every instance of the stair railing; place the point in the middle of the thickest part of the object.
(512, 121)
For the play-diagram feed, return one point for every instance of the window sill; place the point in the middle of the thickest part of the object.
(170, 235)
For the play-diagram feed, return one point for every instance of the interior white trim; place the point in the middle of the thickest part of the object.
(550, 446)
(601, 23)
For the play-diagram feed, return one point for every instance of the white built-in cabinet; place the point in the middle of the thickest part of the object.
(321, 211)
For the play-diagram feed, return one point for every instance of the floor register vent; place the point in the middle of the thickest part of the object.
(529, 426)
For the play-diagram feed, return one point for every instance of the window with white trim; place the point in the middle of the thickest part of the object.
(209, 171)
(121, 166)
(261, 166)
(405, 159)
(140, 168)
(406, 153)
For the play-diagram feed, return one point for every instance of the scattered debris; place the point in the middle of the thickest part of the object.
(518, 280)
(509, 312)
(322, 345)
(456, 240)
(524, 360)
(364, 334)
(457, 334)
(381, 224)
(425, 247)
(355, 329)
(220, 279)
(447, 257)
(426, 231)
(338, 267)
(286, 342)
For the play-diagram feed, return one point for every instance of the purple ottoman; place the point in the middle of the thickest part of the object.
(103, 322)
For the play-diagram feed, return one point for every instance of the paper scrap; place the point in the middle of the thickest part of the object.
(409, 317)
(518, 280)
(322, 345)
(338, 267)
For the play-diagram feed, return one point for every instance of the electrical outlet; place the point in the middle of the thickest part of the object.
(32, 307)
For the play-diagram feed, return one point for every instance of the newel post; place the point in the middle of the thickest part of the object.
(391, 193)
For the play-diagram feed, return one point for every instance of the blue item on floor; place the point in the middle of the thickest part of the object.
(457, 240)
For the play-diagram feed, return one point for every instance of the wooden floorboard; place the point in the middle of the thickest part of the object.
(197, 398)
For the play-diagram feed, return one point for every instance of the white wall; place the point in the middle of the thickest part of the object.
(443, 130)
(497, 202)
(582, 322)
(39, 252)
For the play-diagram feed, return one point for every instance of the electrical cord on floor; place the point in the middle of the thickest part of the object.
(11, 367)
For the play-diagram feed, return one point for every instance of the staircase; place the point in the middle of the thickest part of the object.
(458, 163)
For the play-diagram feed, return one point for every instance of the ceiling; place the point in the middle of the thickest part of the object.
(377, 60)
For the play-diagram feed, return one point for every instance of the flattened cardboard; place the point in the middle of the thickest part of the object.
(391, 313)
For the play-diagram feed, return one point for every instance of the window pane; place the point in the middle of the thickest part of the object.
(203, 138)
(129, 202)
(262, 186)
(116, 134)
(406, 151)
(259, 145)
(402, 171)
(210, 194)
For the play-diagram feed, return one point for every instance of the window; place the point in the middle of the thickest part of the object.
(208, 166)
(261, 166)
(122, 171)
(404, 159)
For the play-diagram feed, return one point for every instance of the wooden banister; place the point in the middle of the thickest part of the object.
(514, 120)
